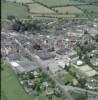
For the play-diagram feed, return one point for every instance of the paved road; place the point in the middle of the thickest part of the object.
(81, 89)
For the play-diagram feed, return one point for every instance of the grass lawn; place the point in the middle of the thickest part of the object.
(11, 89)
(10, 8)
(67, 78)
(57, 2)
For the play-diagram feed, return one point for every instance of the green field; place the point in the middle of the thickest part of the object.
(69, 9)
(57, 2)
(18, 10)
(37, 8)
(67, 78)
(90, 10)
(21, 1)
(11, 89)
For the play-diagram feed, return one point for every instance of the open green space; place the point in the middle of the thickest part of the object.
(90, 10)
(51, 3)
(11, 89)
(66, 78)
(13, 9)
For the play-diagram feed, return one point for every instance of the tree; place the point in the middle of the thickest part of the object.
(37, 47)
(82, 82)
(96, 38)
(66, 68)
(81, 97)
(10, 17)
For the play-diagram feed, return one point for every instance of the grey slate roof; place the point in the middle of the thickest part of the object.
(63, 51)
(25, 66)
(45, 55)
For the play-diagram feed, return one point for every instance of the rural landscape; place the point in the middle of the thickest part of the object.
(49, 49)
(50, 8)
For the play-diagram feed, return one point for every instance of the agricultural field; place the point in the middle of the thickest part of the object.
(52, 3)
(13, 9)
(69, 9)
(90, 10)
(22, 1)
(37, 8)
(11, 89)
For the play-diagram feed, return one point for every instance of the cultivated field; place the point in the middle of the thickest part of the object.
(37, 8)
(57, 2)
(10, 8)
(69, 9)
(11, 89)
(22, 1)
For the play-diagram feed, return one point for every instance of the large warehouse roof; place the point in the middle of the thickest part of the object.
(23, 66)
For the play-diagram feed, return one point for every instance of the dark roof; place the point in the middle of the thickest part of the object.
(45, 55)
(63, 51)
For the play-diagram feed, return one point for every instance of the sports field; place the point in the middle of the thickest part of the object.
(57, 2)
(37, 8)
(11, 89)
(69, 9)
(14, 9)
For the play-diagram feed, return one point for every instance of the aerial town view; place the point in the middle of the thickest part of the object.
(49, 50)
